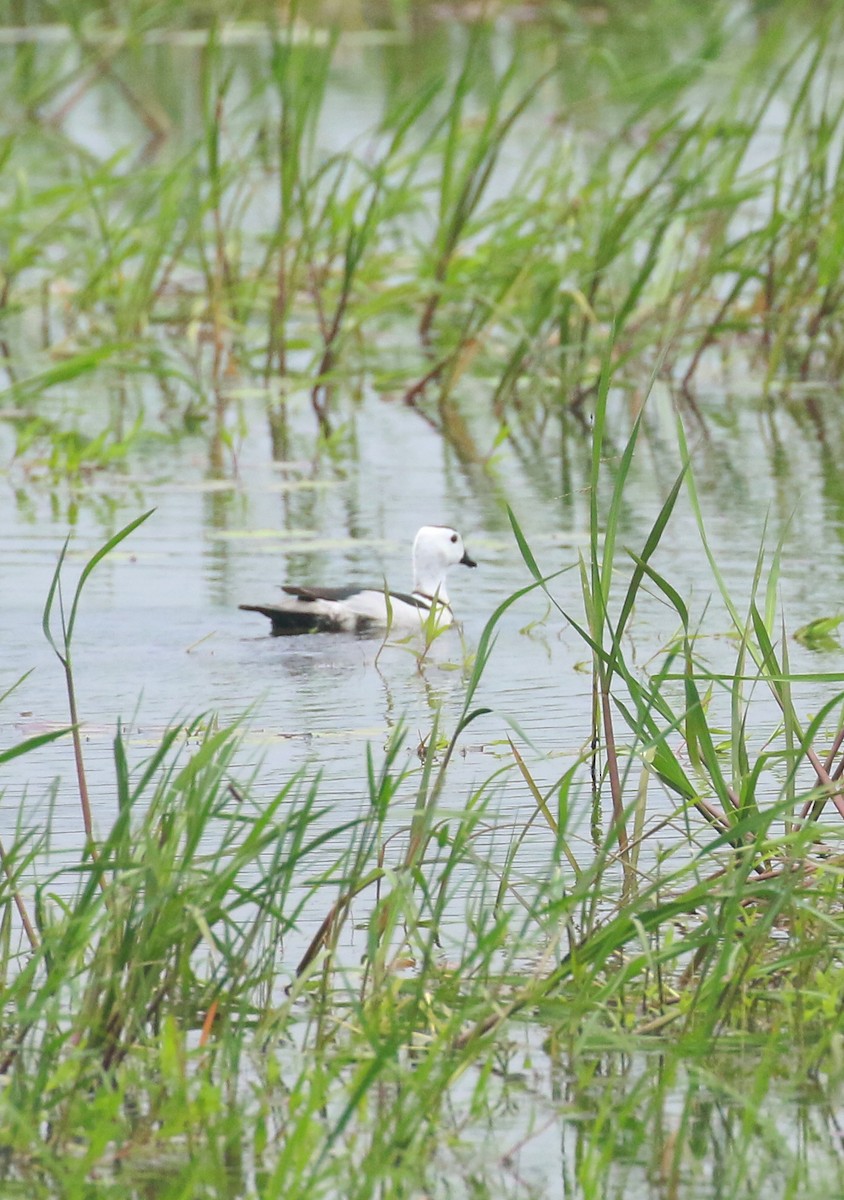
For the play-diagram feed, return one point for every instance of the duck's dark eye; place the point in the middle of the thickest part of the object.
(454, 537)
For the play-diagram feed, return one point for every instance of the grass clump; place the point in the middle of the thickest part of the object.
(164, 1017)
(239, 253)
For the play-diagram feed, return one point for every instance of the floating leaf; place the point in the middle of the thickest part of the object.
(817, 635)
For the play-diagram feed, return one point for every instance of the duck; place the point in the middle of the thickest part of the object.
(360, 610)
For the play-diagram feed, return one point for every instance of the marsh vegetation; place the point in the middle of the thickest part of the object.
(551, 907)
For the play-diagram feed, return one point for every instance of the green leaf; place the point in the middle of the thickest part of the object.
(40, 739)
(817, 634)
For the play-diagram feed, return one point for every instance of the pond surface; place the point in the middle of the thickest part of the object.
(160, 638)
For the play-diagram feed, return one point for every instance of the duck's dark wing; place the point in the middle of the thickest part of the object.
(409, 598)
(285, 620)
(317, 593)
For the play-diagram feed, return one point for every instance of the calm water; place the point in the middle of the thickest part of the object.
(160, 638)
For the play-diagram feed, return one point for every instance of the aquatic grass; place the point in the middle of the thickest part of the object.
(148, 1009)
(370, 207)
(294, 264)
(150, 1041)
(466, 167)
(423, 831)
(721, 911)
(144, 228)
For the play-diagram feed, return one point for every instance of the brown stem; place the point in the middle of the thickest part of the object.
(29, 928)
(830, 758)
(816, 806)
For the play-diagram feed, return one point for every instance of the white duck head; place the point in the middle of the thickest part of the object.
(435, 549)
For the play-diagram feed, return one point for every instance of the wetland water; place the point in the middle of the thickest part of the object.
(160, 639)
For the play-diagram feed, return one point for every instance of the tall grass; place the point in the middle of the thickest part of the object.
(410, 259)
